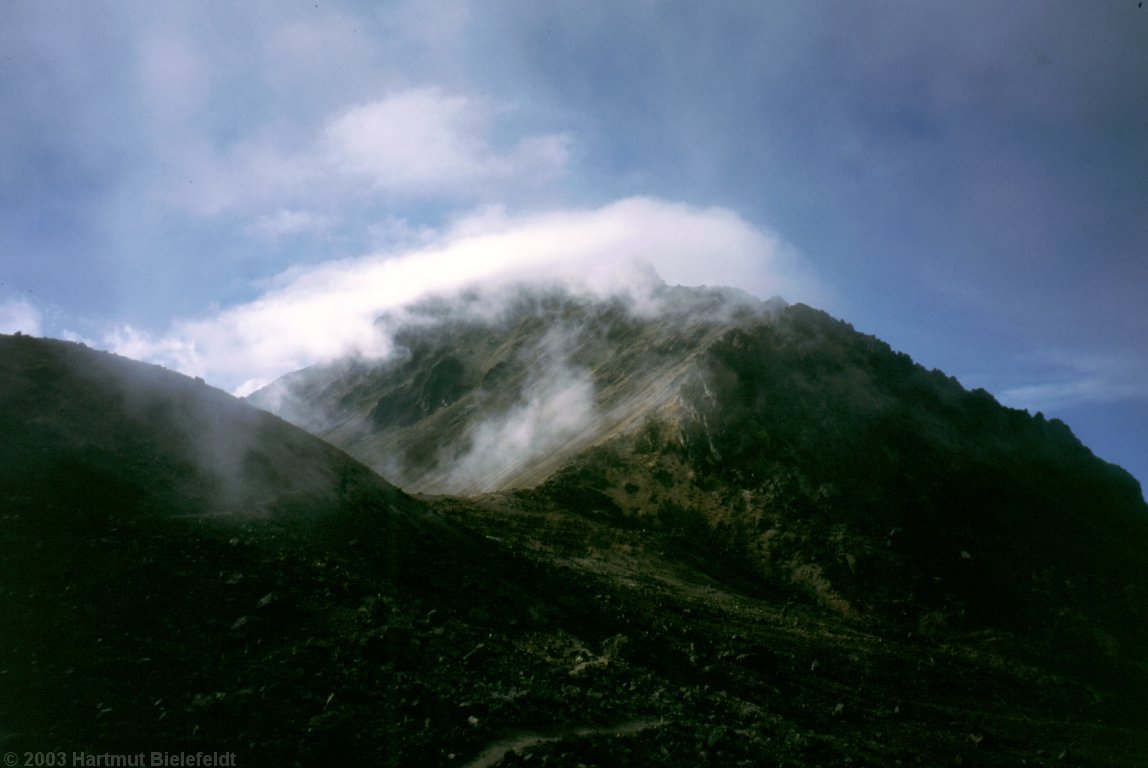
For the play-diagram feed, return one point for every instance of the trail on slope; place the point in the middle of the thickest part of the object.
(495, 753)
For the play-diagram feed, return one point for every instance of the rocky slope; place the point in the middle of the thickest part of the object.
(808, 456)
(478, 399)
(779, 443)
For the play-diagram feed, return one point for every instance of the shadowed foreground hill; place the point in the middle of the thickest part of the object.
(177, 568)
(113, 439)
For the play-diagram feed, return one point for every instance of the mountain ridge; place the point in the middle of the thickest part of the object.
(763, 434)
(418, 339)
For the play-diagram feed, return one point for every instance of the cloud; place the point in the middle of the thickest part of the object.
(409, 146)
(1070, 380)
(426, 141)
(286, 222)
(174, 350)
(315, 313)
(418, 139)
(17, 315)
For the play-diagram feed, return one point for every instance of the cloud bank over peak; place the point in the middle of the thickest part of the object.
(967, 178)
(320, 312)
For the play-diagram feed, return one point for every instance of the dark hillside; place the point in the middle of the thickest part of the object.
(113, 437)
(819, 459)
(776, 441)
(180, 571)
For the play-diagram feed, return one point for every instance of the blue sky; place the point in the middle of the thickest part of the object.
(235, 189)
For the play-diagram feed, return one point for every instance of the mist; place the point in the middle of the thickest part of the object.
(319, 313)
(497, 386)
(214, 449)
(556, 406)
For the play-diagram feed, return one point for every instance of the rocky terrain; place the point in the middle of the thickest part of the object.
(476, 399)
(706, 530)
(775, 440)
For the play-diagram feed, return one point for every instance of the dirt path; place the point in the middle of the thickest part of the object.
(493, 754)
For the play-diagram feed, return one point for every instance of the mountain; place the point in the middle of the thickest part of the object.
(694, 528)
(800, 455)
(474, 402)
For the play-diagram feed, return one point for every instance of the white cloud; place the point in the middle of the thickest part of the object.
(315, 313)
(17, 315)
(173, 350)
(420, 138)
(424, 140)
(410, 145)
(286, 222)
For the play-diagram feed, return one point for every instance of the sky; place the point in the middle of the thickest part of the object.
(237, 190)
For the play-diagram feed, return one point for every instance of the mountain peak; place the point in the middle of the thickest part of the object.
(480, 395)
(779, 440)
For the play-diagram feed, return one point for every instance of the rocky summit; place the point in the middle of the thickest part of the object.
(682, 528)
